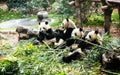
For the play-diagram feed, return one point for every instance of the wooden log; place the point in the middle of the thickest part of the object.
(114, 1)
(26, 32)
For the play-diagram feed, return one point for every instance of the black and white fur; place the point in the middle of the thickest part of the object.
(68, 23)
(92, 36)
(111, 60)
(46, 33)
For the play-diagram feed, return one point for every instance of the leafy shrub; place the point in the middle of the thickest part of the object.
(25, 50)
(8, 66)
(95, 20)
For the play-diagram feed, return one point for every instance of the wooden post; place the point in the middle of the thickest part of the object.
(107, 16)
(119, 14)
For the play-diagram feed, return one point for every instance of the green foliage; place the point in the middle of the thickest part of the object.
(29, 6)
(95, 20)
(65, 9)
(8, 66)
(115, 19)
(115, 16)
(15, 3)
(25, 50)
(7, 15)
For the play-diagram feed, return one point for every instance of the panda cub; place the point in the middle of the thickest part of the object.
(91, 36)
(68, 23)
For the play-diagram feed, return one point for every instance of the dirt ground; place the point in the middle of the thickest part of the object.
(12, 36)
(115, 32)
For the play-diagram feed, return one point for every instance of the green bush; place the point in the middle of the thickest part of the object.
(8, 66)
(94, 20)
(8, 15)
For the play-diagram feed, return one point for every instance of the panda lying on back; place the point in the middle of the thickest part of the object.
(92, 36)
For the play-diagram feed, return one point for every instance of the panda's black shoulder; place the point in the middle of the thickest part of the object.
(68, 33)
(69, 30)
(41, 36)
(49, 31)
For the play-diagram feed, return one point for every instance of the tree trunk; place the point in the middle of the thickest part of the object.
(119, 14)
(78, 13)
(107, 16)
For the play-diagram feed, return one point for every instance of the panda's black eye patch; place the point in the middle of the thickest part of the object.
(75, 34)
(89, 36)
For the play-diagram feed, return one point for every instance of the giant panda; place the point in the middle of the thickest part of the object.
(46, 33)
(111, 60)
(76, 54)
(91, 36)
(44, 26)
(57, 36)
(71, 33)
(77, 33)
(94, 37)
(68, 23)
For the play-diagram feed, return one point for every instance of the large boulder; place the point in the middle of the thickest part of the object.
(41, 16)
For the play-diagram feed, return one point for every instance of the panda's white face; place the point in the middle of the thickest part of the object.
(94, 35)
(44, 26)
(77, 33)
(67, 23)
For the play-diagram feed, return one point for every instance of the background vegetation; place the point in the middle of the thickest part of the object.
(28, 59)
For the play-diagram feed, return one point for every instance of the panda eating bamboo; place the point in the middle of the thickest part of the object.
(67, 38)
(57, 36)
(92, 37)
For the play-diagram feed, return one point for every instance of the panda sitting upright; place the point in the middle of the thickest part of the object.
(57, 36)
(68, 23)
(91, 36)
(45, 32)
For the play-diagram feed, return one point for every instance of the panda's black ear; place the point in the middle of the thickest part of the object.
(67, 19)
(96, 31)
(39, 23)
(46, 22)
(80, 29)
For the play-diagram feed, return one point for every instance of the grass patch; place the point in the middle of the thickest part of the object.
(8, 15)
